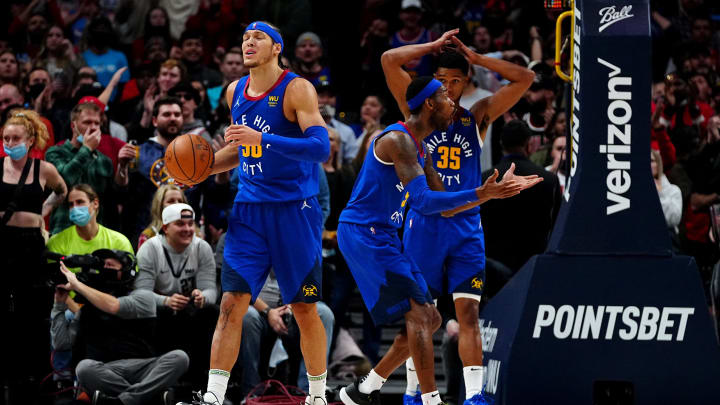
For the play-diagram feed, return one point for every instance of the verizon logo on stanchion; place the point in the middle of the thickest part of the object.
(610, 16)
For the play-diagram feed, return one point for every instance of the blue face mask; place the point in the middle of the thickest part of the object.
(80, 216)
(17, 152)
(80, 138)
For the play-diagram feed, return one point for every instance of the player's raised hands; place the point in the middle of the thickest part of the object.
(242, 135)
(444, 40)
(471, 56)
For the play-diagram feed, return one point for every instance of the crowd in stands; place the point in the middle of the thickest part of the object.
(93, 91)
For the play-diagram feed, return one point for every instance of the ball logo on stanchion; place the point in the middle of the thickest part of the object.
(189, 159)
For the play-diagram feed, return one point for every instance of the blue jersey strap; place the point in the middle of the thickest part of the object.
(429, 202)
(315, 148)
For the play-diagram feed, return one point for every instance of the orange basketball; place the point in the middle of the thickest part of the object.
(189, 159)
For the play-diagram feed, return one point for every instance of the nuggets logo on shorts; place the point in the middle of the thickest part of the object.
(476, 283)
(310, 290)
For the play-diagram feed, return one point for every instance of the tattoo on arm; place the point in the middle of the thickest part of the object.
(403, 153)
(225, 315)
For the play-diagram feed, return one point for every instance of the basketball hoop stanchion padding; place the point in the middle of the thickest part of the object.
(607, 315)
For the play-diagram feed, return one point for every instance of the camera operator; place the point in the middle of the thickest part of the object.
(179, 269)
(112, 333)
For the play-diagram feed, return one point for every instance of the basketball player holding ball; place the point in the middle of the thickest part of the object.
(276, 141)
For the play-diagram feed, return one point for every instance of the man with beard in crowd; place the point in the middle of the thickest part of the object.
(149, 164)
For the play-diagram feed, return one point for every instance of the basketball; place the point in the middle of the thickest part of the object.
(189, 159)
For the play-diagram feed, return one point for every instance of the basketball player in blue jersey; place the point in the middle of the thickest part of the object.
(396, 172)
(276, 140)
(457, 262)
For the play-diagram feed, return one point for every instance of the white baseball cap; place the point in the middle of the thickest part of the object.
(173, 212)
(410, 3)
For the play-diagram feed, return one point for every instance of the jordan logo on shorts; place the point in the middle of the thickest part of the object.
(305, 205)
(476, 283)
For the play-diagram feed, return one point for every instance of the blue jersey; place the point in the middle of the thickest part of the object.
(379, 197)
(456, 155)
(265, 175)
(421, 66)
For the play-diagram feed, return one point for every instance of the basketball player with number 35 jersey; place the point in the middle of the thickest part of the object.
(457, 261)
(276, 140)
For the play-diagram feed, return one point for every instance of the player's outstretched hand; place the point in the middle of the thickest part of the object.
(524, 181)
(511, 185)
(242, 135)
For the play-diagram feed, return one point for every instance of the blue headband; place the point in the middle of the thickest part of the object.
(261, 26)
(428, 91)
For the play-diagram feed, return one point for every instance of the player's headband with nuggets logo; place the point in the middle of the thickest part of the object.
(261, 26)
(428, 91)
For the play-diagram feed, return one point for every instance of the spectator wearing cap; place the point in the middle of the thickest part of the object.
(100, 55)
(349, 143)
(11, 98)
(412, 32)
(520, 226)
(191, 45)
(232, 68)
(190, 98)
(79, 161)
(179, 268)
(308, 54)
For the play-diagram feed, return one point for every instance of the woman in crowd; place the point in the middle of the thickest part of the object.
(58, 58)
(22, 208)
(371, 112)
(165, 195)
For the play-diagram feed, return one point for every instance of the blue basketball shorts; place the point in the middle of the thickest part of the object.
(449, 251)
(387, 278)
(285, 236)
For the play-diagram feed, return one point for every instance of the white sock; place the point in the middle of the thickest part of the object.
(412, 378)
(217, 385)
(474, 378)
(431, 398)
(372, 382)
(317, 385)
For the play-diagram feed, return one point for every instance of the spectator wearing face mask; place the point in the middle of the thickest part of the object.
(86, 235)
(11, 98)
(79, 160)
(22, 207)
